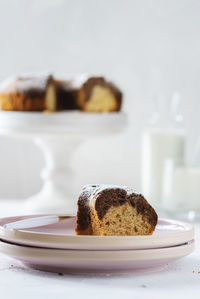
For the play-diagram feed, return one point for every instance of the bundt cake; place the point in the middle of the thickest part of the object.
(36, 92)
(105, 210)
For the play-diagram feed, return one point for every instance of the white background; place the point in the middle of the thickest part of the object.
(148, 47)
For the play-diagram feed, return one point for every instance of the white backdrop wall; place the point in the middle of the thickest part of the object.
(148, 47)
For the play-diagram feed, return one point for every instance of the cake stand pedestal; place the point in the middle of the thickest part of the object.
(58, 135)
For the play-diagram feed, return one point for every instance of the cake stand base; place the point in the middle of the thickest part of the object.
(57, 192)
(58, 135)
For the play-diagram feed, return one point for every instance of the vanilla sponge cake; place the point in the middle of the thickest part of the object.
(98, 95)
(105, 210)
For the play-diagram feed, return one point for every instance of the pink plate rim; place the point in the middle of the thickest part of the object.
(49, 240)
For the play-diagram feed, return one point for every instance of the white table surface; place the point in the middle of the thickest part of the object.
(180, 279)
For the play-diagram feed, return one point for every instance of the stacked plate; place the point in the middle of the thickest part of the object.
(55, 247)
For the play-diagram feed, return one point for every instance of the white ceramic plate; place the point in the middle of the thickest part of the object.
(62, 235)
(87, 261)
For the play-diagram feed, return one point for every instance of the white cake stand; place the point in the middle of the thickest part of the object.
(58, 135)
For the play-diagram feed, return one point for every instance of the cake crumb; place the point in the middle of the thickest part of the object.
(143, 286)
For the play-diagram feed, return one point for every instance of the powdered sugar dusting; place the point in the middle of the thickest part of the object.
(25, 82)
